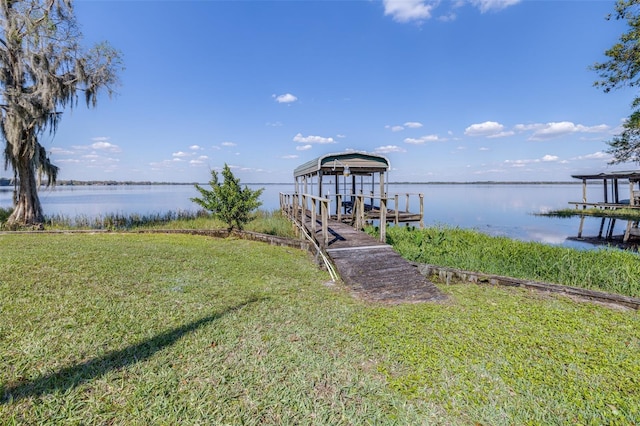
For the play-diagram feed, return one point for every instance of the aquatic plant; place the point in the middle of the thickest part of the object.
(603, 269)
(623, 213)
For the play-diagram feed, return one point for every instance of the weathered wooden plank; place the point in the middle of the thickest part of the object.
(372, 269)
(580, 293)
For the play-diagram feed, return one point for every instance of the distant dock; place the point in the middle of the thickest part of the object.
(611, 200)
(610, 183)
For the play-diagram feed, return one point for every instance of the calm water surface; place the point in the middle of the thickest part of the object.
(497, 209)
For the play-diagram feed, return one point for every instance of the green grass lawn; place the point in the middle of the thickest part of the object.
(180, 329)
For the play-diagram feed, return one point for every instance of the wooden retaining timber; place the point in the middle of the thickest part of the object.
(448, 274)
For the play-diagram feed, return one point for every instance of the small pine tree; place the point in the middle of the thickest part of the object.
(229, 202)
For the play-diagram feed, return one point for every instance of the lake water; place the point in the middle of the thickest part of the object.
(497, 209)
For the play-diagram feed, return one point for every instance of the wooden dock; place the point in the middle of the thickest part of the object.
(373, 270)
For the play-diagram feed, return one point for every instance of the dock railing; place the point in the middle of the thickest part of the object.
(296, 206)
(356, 208)
(392, 205)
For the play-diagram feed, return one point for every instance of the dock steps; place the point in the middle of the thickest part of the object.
(374, 271)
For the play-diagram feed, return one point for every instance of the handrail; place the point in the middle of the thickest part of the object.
(290, 207)
(298, 204)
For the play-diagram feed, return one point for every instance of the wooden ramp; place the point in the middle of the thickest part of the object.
(374, 271)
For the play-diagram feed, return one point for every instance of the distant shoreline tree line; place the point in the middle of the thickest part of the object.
(73, 182)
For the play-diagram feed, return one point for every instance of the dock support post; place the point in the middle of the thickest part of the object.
(358, 211)
(397, 208)
(581, 227)
(325, 221)
(294, 206)
(627, 232)
(421, 210)
(383, 219)
(313, 217)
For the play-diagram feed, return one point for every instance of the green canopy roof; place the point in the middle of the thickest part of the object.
(359, 163)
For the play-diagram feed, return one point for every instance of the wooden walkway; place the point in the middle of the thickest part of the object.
(374, 271)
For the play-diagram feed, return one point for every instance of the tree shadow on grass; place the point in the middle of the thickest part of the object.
(75, 375)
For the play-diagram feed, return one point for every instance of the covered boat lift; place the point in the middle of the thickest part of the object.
(611, 192)
(344, 173)
(611, 200)
(357, 183)
(348, 187)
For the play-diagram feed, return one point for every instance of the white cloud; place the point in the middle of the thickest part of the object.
(312, 139)
(95, 155)
(501, 135)
(197, 162)
(561, 128)
(394, 128)
(407, 10)
(423, 139)
(303, 147)
(487, 129)
(388, 148)
(420, 10)
(540, 131)
(552, 130)
(451, 16)
(60, 151)
(527, 127)
(195, 147)
(521, 163)
(180, 154)
(408, 124)
(290, 157)
(105, 146)
(595, 156)
(600, 128)
(287, 98)
(227, 143)
(489, 5)
(488, 171)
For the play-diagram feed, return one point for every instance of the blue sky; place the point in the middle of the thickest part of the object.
(470, 90)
